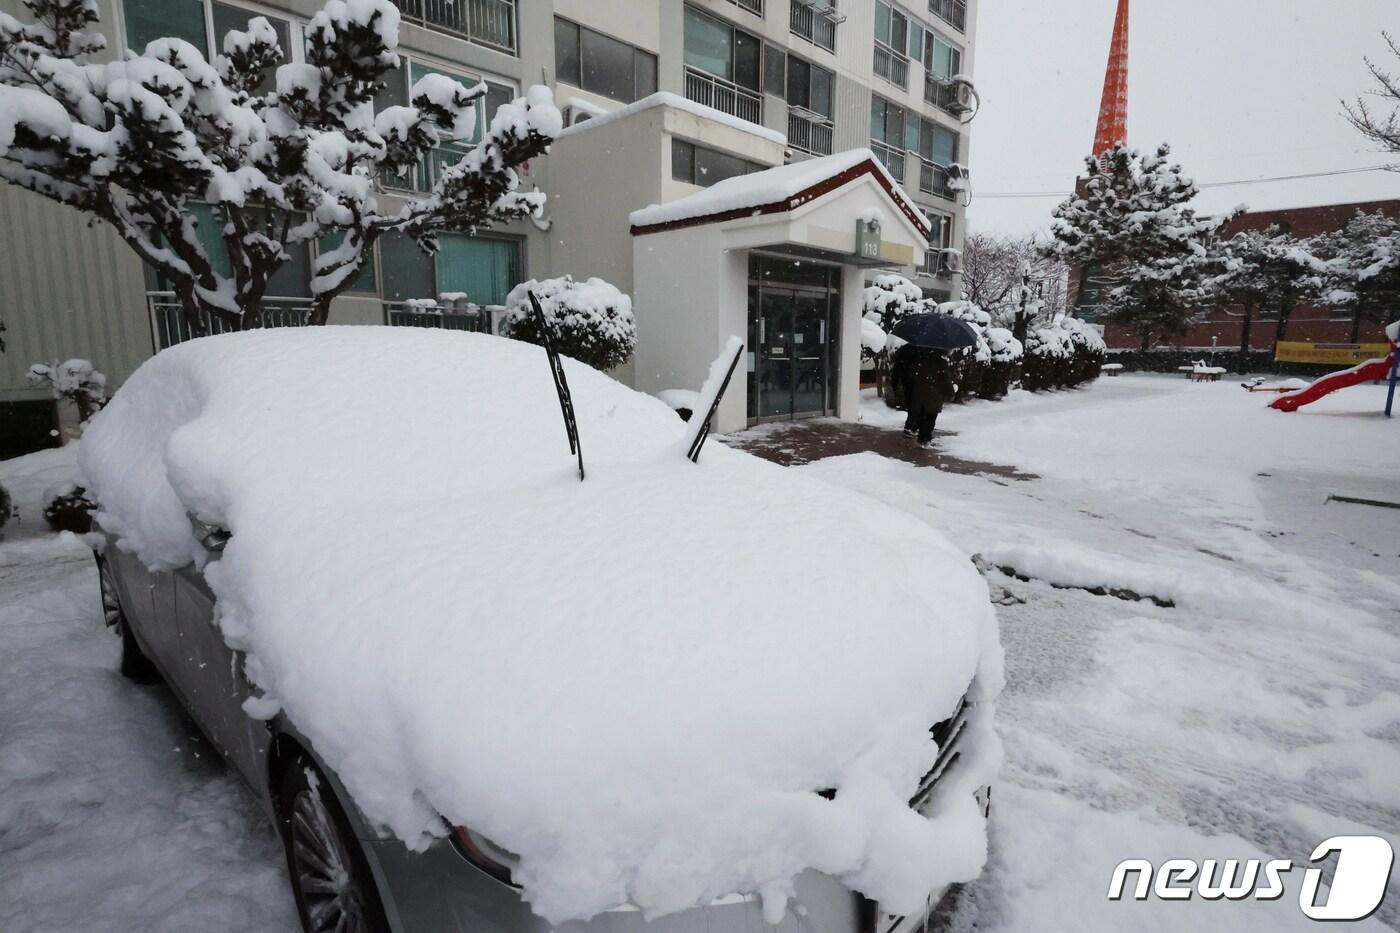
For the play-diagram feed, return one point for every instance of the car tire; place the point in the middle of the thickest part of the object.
(135, 666)
(331, 880)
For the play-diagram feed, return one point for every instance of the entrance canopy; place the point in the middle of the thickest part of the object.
(813, 207)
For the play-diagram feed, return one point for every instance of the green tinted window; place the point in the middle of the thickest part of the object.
(485, 269)
(148, 20)
(707, 44)
(408, 271)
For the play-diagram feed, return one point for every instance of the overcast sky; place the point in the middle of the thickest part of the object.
(1240, 88)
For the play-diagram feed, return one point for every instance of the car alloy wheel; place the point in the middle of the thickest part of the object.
(111, 605)
(323, 868)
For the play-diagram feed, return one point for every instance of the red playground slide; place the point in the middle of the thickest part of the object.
(1369, 371)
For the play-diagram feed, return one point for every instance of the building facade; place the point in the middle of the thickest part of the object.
(758, 83)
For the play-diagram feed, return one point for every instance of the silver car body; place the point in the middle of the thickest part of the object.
(171, 616)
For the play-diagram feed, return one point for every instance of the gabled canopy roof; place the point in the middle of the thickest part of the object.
(776, 190)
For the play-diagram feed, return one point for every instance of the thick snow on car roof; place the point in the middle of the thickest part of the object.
(638, 683)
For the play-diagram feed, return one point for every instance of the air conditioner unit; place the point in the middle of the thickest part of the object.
(575, 115)
(958, 95)
(950, 262)
(959, 177)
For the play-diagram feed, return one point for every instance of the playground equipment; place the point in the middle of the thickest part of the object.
(1375, 370)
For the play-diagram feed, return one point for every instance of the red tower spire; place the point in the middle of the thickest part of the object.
(1113, 110)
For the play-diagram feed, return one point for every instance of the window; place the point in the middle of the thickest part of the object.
(887, 138)
(940, 238)
(699, 165)
(485, 268)
(716, 48)
(891, 44)
(887, 123)
(147, 20)
(227, 18)
(774, 71)
(942, 59)
(397, 87)
(602, 64)
(808, 86)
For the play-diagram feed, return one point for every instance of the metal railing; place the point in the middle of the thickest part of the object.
(753, 6)
(408, 314)
(952, 12)
(726, 96)
(891, 66)
(943, 94)
(486, 22)
(817, 28)
(934, 179)
(809, 133)
(169, 325)
(892, 157)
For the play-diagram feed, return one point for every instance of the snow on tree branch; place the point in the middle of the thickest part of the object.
(285, 152)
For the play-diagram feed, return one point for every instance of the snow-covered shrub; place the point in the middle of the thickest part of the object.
(145, 141)
(1005, 358)
(592, 320)
(889, 298)
(67, 508)
(75, 380)
(1065, 353)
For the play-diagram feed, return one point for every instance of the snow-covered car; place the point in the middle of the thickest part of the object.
(475, 692)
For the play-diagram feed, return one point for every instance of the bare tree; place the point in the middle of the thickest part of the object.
(1012, 279)
(1380, 128)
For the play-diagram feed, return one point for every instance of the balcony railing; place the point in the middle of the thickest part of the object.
(418, 314)
(753, 6)
(952, 12)
(892, 157)
(486, 22)
(809, 133)
(723, 95)
(948, 96)
(935, 180)
(169, 325)
(816, 27)
(891, 66)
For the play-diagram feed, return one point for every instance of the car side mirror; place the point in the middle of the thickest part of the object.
(211, 537)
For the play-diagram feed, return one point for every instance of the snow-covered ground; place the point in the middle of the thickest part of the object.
(1258, 715)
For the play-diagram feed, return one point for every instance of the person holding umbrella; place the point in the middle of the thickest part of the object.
(921, 369)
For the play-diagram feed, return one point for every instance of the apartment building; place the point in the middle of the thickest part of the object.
(683, 93)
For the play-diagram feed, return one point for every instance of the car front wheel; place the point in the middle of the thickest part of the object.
(331, 880)
(134, 664)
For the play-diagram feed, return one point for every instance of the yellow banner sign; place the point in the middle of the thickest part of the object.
(1339, 354)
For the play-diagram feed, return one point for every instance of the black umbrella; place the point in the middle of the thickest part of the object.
(935, 331)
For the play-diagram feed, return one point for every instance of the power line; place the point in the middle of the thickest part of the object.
(1212, 184)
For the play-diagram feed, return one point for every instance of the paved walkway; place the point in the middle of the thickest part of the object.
(792, 443)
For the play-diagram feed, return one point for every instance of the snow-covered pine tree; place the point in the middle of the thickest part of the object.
(1357, 268)
(1132, 228)
(140, 141)
(1259, 272)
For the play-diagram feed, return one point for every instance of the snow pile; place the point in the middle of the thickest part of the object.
(637, 682)
(592, 320)
(675, 102)
(760, 189)
(1002, 345)
(872, 336)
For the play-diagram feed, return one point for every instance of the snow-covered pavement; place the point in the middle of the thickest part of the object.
(1256, 716)
(115, 815)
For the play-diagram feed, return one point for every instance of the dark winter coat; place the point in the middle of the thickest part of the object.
(924, 377)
